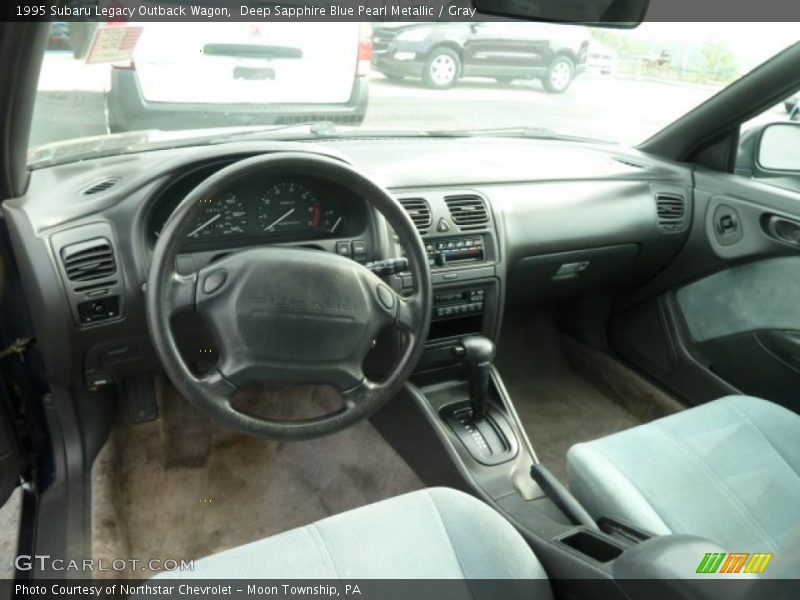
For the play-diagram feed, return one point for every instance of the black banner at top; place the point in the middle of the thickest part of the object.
(610, 12)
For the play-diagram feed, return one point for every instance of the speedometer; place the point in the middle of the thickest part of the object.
(223, 217)
(289, 207)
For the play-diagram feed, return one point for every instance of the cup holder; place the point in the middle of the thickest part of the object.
(592, 545)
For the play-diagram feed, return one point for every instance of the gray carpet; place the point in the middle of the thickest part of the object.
(183, 488)
(565, 392)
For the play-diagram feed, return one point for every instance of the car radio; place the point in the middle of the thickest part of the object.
(454, 250)
(458, 303)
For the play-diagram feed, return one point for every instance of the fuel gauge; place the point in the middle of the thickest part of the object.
(332, 220)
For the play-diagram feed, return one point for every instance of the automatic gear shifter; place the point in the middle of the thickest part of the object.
(480, 425)
(478, 355)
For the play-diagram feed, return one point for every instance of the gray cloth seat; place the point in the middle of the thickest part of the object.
(435, 533)
(728, 470)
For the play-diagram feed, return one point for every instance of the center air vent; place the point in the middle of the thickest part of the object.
(101, 186)
(88, 261)
(419, 211)
(468, 212)
(671, 211)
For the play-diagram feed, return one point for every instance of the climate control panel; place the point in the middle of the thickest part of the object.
(444, 251)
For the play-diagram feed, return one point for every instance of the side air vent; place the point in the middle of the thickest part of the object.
(671, 211)
(419, 211)
(101, 186)
(88, 261)
(468, 212)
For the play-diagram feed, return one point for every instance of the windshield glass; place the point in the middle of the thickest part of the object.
(113, 88)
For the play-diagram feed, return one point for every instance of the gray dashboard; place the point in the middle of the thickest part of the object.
(563, 219)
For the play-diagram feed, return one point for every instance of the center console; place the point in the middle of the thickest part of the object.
(463, 247)
(456, 425)
(459, 428)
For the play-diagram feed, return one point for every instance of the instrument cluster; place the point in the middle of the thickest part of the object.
(263, 211)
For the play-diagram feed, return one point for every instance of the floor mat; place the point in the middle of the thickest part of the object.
(183, 488)
(559, 401)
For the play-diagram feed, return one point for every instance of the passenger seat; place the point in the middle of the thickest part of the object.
(728, 470)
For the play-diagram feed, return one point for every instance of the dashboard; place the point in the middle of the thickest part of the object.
(261, 211)
(502, 220)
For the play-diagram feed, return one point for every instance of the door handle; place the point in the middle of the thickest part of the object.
(784, 230)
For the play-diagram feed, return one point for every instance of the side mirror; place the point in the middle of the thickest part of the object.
(778, 148)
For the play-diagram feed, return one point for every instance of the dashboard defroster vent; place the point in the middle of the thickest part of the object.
(671, 211)
(101, 186)
(419, 211)
(89, 260)
(467, 211)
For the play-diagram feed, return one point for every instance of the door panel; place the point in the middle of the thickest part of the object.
(755, 368)
(756, 296)
(730, 301)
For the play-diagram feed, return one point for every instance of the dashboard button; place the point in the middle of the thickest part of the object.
(344, 249)
(214, 281)
(359, 249)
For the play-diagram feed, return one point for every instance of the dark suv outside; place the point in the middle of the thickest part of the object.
(442, 53)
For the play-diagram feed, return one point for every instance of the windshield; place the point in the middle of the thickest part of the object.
(113, 88)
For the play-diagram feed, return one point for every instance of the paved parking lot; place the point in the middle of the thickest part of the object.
(618, 108)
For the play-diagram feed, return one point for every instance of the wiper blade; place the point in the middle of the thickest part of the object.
(320, 129)
(521, 131)
(540, 133)
(100, 146)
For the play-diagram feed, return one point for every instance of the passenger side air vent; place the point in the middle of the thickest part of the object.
(88, 261)
(420, 213)
(101, 186)
(671, 211)
(468, 212)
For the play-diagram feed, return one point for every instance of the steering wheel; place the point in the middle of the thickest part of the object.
(288, 315)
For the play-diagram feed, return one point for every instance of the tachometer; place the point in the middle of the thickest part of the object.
(223, 217)
(289, 207)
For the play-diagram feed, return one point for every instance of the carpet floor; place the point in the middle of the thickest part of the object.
(566, 392)
(183, 488)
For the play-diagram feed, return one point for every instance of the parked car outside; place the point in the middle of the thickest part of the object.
(241, 74)
(440, 54)
(59, 36)
(602, 60)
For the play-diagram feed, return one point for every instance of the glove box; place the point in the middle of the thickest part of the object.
(571, 273)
